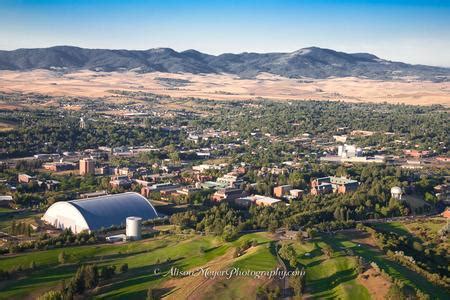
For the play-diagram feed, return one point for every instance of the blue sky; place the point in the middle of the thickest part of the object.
(409, 31)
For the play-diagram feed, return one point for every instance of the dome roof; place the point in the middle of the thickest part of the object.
(396, 190)
(99, 212)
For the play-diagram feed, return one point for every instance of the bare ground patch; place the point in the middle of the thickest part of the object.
(375, 283)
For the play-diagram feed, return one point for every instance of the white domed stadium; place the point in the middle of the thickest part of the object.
(396, 192)
(99, 212)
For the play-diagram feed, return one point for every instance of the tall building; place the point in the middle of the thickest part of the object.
(87, 166)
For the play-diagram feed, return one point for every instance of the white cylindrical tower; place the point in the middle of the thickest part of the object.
(396, 192)
(133, 229)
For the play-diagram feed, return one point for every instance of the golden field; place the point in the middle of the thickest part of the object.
(226, 87)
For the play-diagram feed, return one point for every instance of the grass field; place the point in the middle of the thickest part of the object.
(150, 259)
(142, 257)
(329, 278)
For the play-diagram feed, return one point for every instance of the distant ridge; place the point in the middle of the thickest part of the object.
(312, 62)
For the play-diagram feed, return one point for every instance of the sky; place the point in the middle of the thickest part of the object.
(402, 30)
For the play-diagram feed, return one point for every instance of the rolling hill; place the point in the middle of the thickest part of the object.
(312, 62)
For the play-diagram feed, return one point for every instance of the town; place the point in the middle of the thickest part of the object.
(108, 173)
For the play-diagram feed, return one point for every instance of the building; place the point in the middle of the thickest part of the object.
(442, 192)
(99, 212)
(228, 194)
(296, 194)
(116, 238)
(416, 153)
(94, 194)
(49, 184)
(159, 187)
(59, 166)
(187, 191)
(231, 180)
(444, 159)
(257, 200)
(212, 185)
(281, 190)
(104, 170)
(87, 166)
(25, 178)
(6, 201)
(340, 185)
(347, 151)
(377, 159)
(124, 171)
(120, 182)
(47, 157)
(340, 138)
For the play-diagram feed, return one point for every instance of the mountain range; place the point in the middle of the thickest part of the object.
(312, 62)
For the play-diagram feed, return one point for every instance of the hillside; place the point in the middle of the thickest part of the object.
(309, 62)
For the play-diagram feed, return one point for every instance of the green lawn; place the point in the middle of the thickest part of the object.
(142, 258)
(261, 258)
(185, 252)
(329, 278)
(395, 227)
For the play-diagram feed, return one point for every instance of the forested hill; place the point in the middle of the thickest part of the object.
(310, 62)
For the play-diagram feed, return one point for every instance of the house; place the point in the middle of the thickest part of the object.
(281, 190)
(340, 185)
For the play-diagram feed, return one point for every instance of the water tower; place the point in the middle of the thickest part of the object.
(396, 193)
(133, 229)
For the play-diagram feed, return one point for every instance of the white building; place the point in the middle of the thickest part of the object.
(98, 212)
